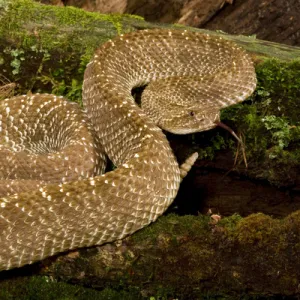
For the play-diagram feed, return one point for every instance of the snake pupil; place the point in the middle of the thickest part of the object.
(192, 113)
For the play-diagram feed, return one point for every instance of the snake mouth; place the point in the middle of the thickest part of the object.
(189, 130)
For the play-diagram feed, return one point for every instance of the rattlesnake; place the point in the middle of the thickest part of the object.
(39, 216)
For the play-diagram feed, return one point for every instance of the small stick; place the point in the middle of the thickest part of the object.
(241, 143)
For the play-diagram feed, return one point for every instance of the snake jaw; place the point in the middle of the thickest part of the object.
(207, 121)
(189, 120)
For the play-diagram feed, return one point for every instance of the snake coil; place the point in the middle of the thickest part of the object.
(54, 197)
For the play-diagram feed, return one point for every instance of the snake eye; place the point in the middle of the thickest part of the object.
(192, 113)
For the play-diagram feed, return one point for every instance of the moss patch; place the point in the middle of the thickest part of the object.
(53, 44)
(56, 27)
(43, 287)
(190, 258)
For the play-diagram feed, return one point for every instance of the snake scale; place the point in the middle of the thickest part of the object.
(54, 197)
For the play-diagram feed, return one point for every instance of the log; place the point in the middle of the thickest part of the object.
(45, 49)
(189, 257)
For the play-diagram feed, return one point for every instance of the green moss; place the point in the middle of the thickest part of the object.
(20, 22)
(216, 142)
(38, 287)
(70, 34)
(230, 223)
(17, 57)
(202, 246)
(117, 20)
(269, 121)
(172, 225)
(29, 23)
(278, 88)
(257, 228)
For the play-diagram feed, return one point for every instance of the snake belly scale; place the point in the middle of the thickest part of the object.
(65, 207)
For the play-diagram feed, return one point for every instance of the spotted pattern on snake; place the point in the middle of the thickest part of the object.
(53, 196)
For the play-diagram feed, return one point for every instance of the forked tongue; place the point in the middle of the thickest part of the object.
(220, 124)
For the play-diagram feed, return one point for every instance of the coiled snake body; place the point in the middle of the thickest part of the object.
(53, 196)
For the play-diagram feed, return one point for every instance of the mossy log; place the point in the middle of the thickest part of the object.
(190, 258)
(45, 49)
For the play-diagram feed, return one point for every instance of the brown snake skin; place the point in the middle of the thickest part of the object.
(53, 196)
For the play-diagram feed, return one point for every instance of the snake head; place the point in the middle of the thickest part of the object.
(188, 120)
(180, 107)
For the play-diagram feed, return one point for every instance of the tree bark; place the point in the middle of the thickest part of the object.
(45, 49)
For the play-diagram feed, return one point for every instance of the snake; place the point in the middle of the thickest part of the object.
(55, 194)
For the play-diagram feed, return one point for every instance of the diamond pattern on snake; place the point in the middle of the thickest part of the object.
(54, 195)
